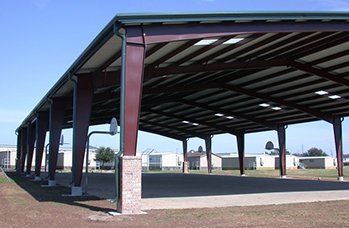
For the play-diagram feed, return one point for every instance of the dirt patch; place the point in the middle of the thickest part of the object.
(26, 204)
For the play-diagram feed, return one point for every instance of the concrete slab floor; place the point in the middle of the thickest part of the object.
(169, 191)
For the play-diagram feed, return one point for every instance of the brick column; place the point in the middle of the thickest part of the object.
(130, 185)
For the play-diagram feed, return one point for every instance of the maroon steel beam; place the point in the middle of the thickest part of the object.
(318, 72)
(240, 138)
(168, 56)
(229, 113)
(159, 34)
(55, 127)
(194, 120)
(31, 143)
(24, 145)
(277, 100)
(18, 154)
(166, 126)
(337, 128)
(161, 132)
(133, 89)
(156, 48)
(83, 96)
(185, 150)
(205, 49)
(282, 149)
(208, 144)
(161, 71)
(41, 128)
(105, 79)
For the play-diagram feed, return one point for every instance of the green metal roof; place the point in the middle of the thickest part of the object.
(148, 18)
(227, 16)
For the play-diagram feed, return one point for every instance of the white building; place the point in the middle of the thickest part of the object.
(252, 161)
(162, 161)
(325, 162)
(199, 161)
(346, 159)
(64, 160)
(292, 162)
(8, 156)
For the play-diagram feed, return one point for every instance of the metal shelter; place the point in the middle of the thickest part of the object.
(198, 75)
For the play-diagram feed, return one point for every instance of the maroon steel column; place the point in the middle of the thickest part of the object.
(31, 143)
(131, 165)
(208, 143)
(41, 128)
(337, 128)
(55, 128)
(18, 154)
(133, 90)
(240, 138)
(83, 94)
(185, 156)
(282, 149)
(24, 145)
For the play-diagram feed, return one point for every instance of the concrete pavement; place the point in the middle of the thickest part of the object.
(169, 191)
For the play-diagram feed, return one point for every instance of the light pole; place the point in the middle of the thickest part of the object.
(112, 131)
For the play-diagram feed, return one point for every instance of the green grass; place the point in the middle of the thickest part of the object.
(3, 178)
(300, 173)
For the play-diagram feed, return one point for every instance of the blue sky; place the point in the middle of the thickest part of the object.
(40, 39)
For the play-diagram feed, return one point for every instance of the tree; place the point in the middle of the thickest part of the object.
(314, 152)
(104, 155)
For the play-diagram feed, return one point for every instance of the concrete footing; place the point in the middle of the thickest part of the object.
(243, 175)
(76, 191)
(283, 177)
(37, 178)
(130, 185)
(340, 178)
(52, 183)
(28, 175)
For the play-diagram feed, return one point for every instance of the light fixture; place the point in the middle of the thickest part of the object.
(184, 121)
(230, 117)
(219, 114)
(195, 124)
(321, 92)
(334, 97)
(205, 42)
(276, 108)
(264, 105)
(233, 41)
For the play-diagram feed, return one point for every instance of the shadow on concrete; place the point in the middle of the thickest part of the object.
(160, 185)
(155, 185)
(54, 194)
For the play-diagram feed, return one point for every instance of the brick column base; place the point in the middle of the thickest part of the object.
(130, 185)
(185, 167)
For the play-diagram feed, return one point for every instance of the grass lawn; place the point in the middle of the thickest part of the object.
(27, 204)
(4, 178)
(326, 174)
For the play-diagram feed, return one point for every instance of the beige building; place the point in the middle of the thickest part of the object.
(292, 162)
(259, 162)
(199, 161)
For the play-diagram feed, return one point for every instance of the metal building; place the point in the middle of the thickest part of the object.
(195, 75)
